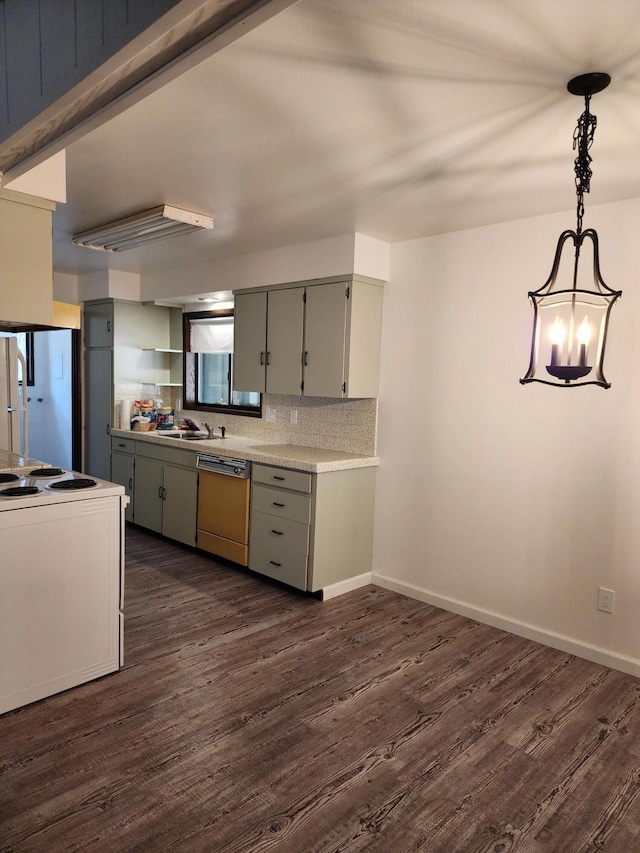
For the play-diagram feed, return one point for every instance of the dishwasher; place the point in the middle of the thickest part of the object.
(223, 506)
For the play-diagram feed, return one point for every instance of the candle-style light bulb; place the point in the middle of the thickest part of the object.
(584, 336)
(584, 332)
(557, 334)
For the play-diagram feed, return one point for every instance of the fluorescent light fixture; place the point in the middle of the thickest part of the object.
(142, 228)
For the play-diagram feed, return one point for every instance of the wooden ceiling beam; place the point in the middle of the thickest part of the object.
(184, 36)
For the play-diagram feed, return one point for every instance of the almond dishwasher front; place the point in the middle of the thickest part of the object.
(223, 507)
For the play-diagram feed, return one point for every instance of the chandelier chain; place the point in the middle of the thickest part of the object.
(583, 140)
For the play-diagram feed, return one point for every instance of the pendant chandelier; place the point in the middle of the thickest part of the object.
(571, 310)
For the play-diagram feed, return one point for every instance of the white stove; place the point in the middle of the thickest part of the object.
(37, 485)
(61, 579)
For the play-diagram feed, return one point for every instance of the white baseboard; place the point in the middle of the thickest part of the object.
(629, 665)
(341, 587)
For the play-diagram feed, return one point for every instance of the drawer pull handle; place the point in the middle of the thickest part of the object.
(122, 445)
(273, 563)
(275, 504)
(277, 532)
(275, 477)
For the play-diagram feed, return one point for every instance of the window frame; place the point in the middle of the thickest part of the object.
(190, 371)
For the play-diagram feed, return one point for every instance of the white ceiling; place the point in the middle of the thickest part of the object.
(394, 118)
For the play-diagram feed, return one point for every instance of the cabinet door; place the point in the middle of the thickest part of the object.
(98, 411)
(324, 340)
(364, 325)
(147, 490)
(180, 492)
(250, 341)
(122, 471)
(284, 340)
(98, 325)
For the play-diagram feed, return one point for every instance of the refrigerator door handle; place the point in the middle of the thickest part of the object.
(25, 423)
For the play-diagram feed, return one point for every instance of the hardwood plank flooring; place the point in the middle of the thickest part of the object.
(250, 717)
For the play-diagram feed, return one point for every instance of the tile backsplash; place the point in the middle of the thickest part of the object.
(331, 424)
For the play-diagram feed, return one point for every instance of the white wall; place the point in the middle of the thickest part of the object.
(108, 284)
(510, 503)
(65, 287)
(348, 253)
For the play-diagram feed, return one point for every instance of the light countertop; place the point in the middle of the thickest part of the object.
(15, 462)
(312, 459)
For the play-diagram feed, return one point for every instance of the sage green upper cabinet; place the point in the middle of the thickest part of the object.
(250, 342)
(285, 318)
(268, 332)
(98, 324)
(325, 346)
(363, 329)
(324, 340)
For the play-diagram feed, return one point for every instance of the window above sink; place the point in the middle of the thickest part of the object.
(208, 366)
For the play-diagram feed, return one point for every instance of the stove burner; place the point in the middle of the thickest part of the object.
(8, 478)
(71, 485)
(46, 472)
(20, 491)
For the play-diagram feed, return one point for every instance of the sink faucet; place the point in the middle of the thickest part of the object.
(209, 429)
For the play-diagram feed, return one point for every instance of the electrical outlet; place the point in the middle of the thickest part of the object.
(605, 599)
(294, 416)
(271, 415)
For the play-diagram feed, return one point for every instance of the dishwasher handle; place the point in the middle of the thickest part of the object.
(222, 465)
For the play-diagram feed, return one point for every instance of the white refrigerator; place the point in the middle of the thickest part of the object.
(13, 398)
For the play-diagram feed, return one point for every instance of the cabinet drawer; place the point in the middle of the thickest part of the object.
(278, 563)
(299, 481)
(123, 445)
(282, 504)
(281, 532)
(169, 455)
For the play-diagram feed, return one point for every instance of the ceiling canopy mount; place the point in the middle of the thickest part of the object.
(589, 84)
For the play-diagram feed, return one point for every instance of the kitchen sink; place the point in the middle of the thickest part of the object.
(188, 436)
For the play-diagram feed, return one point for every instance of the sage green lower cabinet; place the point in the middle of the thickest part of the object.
(311, 530)
(123, 468)
(166, 492)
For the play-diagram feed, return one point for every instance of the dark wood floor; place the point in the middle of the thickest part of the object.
(250, 717)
